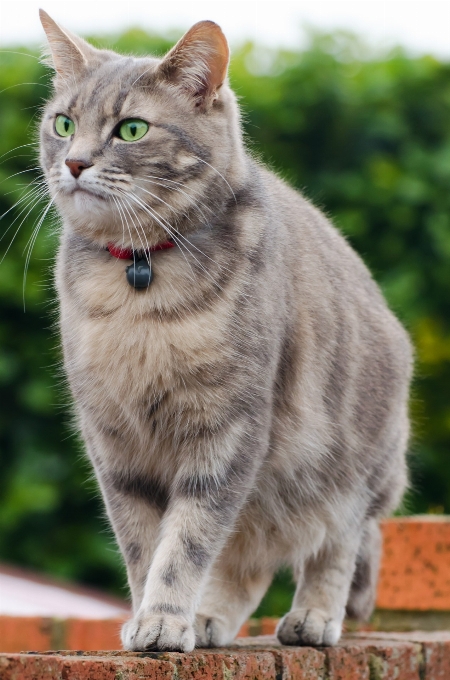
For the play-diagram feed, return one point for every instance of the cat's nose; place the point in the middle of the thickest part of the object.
(77, 167)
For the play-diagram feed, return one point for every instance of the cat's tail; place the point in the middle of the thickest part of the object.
(361, 599)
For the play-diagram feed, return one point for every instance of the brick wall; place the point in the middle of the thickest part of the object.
(418, 656)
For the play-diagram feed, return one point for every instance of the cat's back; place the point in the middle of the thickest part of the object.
(346, 361)
(327, 278)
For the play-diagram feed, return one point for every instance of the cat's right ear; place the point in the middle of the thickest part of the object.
(69, 54)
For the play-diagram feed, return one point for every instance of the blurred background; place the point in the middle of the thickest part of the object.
(350, 103)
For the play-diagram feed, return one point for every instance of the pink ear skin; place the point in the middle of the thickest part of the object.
(69, 53)
(199, 61)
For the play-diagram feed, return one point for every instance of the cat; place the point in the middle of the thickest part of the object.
(245, 406)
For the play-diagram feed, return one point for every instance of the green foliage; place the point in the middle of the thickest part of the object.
(366, 137)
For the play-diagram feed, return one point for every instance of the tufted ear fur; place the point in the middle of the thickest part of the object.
(69, 54)
(199, 61)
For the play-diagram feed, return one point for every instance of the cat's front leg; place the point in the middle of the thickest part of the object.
(202, 511)
(135, 504)
(136, 518)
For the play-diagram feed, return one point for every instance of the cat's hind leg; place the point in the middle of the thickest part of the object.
(228, 600)
(361, 600)
(321, 596)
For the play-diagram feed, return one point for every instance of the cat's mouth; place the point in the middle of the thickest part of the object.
(84, 191)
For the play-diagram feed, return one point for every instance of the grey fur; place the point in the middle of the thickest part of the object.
(249, 409)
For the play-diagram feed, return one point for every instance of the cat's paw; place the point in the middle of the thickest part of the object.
(211, 632)
(309, 627)
(158, 632)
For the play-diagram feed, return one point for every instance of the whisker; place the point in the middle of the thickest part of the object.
(172, 189)
(33, 238)
(158, 218)
(142, 74)
(179, 244)
(184, 237)
(152, 213)
(19, 173)
(179, 184)
(36, 197)
(220, 175)
(33, 116)
(15, 149)
(146, 250)
(20, 200)
(123, 226)
(121, 219)
(23, 54)
(20, 84)
(19, 155)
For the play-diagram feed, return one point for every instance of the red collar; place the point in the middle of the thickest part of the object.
(127, 253)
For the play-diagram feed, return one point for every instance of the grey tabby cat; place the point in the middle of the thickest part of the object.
(246, 410)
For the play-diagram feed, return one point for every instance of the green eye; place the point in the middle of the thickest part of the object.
(64, 126)
(132, 129)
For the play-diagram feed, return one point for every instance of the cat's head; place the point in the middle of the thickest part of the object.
(134, 147)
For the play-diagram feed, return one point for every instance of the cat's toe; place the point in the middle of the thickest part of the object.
(158, 632)
(309, 627)
(211, 632)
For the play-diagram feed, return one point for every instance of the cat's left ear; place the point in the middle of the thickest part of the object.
(199, 62)
(69, 53)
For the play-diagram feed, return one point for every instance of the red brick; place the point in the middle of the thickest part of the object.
(199, 665)
(67, 667)
(268, 625)
(93, 634)
(415, 565)
(435, 647)
(391, 659)
(292, 663)
(105, 668)
(437, 660)
(31, 632)
(347, 663)
(20, 667)
(299, 663)
(223, 665)
(244, 630)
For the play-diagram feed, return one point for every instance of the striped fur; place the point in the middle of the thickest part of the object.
(247, 410)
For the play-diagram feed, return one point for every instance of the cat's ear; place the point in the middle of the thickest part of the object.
(199, 61)
(69, 54)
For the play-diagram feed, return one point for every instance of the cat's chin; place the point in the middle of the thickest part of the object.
(95, 219)
(88, 213)
(84, 199)
(82, 203)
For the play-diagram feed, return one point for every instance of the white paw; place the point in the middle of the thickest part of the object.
(309, 627)
(150, 631)
(211, 632)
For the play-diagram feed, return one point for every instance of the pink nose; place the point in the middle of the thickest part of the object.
(77, 167)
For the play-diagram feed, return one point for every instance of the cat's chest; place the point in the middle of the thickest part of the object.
(124, 350)
(125, 362)
(128, 353)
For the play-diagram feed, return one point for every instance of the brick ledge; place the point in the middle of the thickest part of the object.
(368, 656)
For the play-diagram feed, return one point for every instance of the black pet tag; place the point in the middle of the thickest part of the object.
(139, 274)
